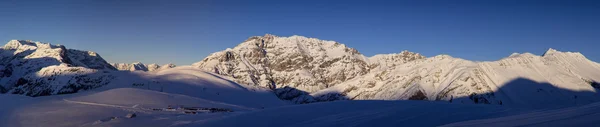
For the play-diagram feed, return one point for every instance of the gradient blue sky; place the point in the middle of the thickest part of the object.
(184, 32)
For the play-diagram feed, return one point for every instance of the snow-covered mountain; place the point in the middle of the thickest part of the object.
(32, 70)
(556, 78)
(138, 66)
(531, 89)
(308, 64)
(38, 69)
(308, 70)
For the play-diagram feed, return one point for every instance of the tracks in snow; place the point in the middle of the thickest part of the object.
(126, 108)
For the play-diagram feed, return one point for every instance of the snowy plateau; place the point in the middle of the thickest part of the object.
(295, 81)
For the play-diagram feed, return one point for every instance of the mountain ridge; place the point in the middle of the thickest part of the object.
(40, 69)
(139, 66)
(319, 71)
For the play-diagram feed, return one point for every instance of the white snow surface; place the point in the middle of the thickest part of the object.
(139, 93)
(97, 108)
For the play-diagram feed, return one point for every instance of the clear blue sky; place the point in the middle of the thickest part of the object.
(184, 32)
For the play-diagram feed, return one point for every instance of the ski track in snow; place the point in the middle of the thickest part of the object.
(132, 109)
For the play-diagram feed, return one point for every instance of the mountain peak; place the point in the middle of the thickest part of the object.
(550, 51)
(14, 44)
(293, 56)
(138, 63)
(514, 54)
(270, 35)
(406, 52)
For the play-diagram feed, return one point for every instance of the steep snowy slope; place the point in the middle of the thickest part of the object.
(138, 66)
(187, 80)
(38, 69)
(308, 70)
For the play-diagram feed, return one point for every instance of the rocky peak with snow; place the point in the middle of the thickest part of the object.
(384, 61)
(550, 51)
(37, 69)
(139, 66)
(305, 63)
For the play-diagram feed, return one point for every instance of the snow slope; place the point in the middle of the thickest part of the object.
(579, 116)
(140, 93)
(408, 113)
(194, 82)
(97, 108)
(87, 91)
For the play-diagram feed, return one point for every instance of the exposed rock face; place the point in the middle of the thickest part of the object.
(384, 61)
(88, 59)
(38, 69)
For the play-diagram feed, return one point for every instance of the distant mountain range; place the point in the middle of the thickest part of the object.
(138, 66)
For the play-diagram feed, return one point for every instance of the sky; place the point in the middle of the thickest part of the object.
(185, 32)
